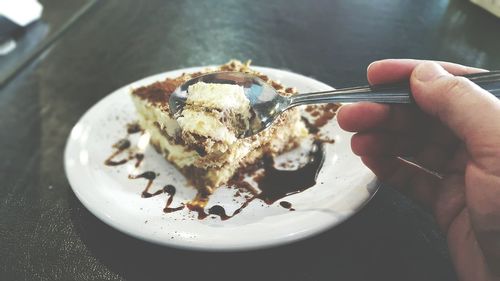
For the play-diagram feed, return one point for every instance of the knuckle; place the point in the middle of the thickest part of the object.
(457, 85)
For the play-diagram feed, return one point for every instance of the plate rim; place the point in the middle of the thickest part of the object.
(186, 245)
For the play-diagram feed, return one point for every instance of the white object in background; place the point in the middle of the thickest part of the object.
(492, 6)
(22, 12)
(7, 47)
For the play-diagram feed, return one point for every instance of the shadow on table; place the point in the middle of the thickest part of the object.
(363, 248)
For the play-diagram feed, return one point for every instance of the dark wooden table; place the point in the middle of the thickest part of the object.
(45, 232)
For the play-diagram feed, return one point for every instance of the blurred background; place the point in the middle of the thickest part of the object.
(350, 34)
(71, 54)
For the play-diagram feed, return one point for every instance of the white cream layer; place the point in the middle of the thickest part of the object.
(206, 125)
(220, 96)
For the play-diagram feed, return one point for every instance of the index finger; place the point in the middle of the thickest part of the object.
(394, 70)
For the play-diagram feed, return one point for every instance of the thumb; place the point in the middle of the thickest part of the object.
(472, 113)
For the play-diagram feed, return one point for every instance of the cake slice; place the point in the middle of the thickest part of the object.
(202, 142)
(211, 116)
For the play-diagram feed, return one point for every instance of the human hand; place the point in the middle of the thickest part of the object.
(454, 129)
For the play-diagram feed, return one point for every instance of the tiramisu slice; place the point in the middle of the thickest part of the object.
(201, 142)
(211, 116)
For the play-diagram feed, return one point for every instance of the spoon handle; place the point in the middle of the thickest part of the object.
(389, 93)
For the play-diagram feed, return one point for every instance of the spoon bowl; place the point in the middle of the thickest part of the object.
(265, 103)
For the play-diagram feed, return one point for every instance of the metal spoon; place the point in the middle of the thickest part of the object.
(267, 104)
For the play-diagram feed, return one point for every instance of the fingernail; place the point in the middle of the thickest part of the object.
(370, 65)
(428, 71)
(368, 68)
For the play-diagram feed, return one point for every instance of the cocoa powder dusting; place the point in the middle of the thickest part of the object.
(159, 92)
(324, 113)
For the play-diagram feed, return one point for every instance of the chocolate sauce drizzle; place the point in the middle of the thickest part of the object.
(138, 157)
(133, 128)
(170, 190)
(216, 210)
(198, 204)
(123, 145)
(287, 205)
(272, 185)
(277, 184)
(150, 176)
(120, 146)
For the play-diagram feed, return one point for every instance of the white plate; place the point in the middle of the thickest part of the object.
(343, 186)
